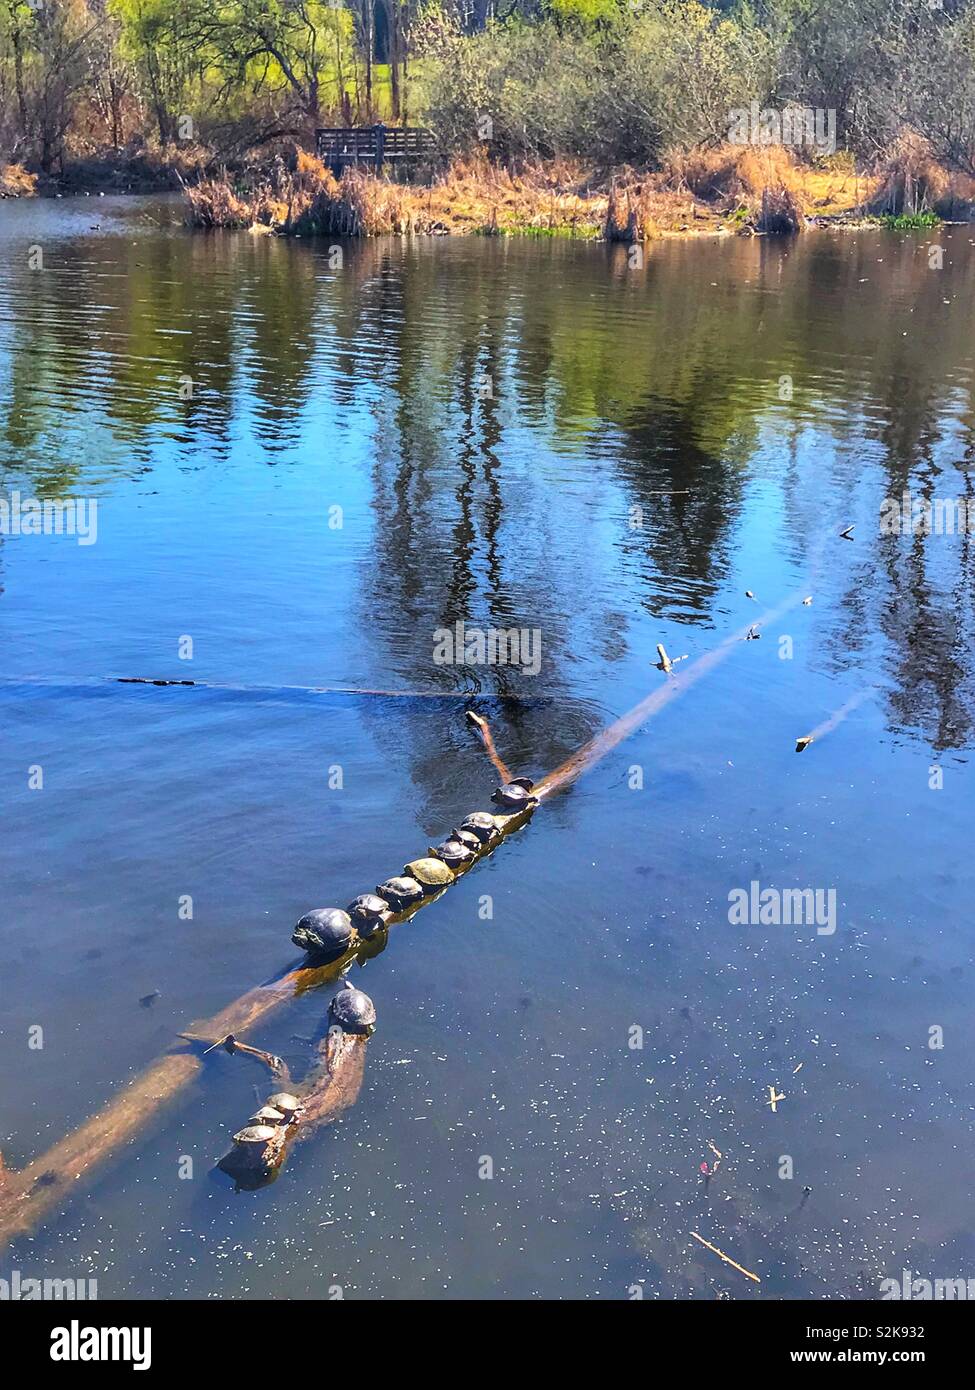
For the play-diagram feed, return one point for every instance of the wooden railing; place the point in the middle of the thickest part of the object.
(373, 144)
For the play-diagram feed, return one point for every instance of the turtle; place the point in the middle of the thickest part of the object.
(516, 794)
(254, 1137)
(482, 824)
(468, 838)
(352, 1011)
(400, 893)
(366, 912)
(452, 852)
(431, 874)
(268, 1115)
(324, 931)
(284, 1101)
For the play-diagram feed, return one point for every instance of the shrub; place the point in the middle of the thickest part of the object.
(668, 76)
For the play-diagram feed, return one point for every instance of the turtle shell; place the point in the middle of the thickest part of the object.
(268, 1115)
(513, 795)
(366, 912)
(255, 1134)
(452, 852)
(480, 823)
(468, 838)
(352, 1010)
(285, 1102)
(430, 874)
(400, 892)
(325, 931)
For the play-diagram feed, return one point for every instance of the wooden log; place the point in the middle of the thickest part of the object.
(596, 749)
(30, 1194)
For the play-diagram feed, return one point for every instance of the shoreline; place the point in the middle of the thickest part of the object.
(713, 193)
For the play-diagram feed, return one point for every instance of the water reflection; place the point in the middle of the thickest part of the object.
(552, 442)
(508, 435)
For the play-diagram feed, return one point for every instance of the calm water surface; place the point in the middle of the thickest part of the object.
(516, 435)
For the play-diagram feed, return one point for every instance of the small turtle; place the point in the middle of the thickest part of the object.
(430, 874)
(325, 931)
(268, 1115)
(366, 912)
(468, 838)
(352, 1011)
(482, 824)
(452, 852)
(400, 893)
(284, 1101)
(254, 1137)
(516, 794)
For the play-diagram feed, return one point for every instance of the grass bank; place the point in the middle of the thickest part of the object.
(724, 189)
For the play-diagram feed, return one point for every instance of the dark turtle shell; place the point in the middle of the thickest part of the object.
(480, 823)
(326, 931)
(452, 852)
(468, 838)
(400, 892)
(515, 795)
(366, 912)
(352, 1010)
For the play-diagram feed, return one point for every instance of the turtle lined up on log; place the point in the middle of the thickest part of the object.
(330, 1087)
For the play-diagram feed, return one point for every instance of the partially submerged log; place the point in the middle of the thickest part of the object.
(331, 1087)
(28, 1196)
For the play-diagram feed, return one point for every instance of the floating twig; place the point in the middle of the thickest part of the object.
(727, 1258)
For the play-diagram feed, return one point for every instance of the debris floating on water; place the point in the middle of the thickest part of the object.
(727, 1258)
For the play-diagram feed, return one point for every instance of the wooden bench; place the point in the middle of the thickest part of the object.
(377, 145)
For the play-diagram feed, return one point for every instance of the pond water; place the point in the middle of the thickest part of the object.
(308, 467)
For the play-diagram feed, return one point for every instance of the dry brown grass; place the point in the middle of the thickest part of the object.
(764, 185)
(472, 196)
(910, 179)
(16, 182)
(706, 190)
